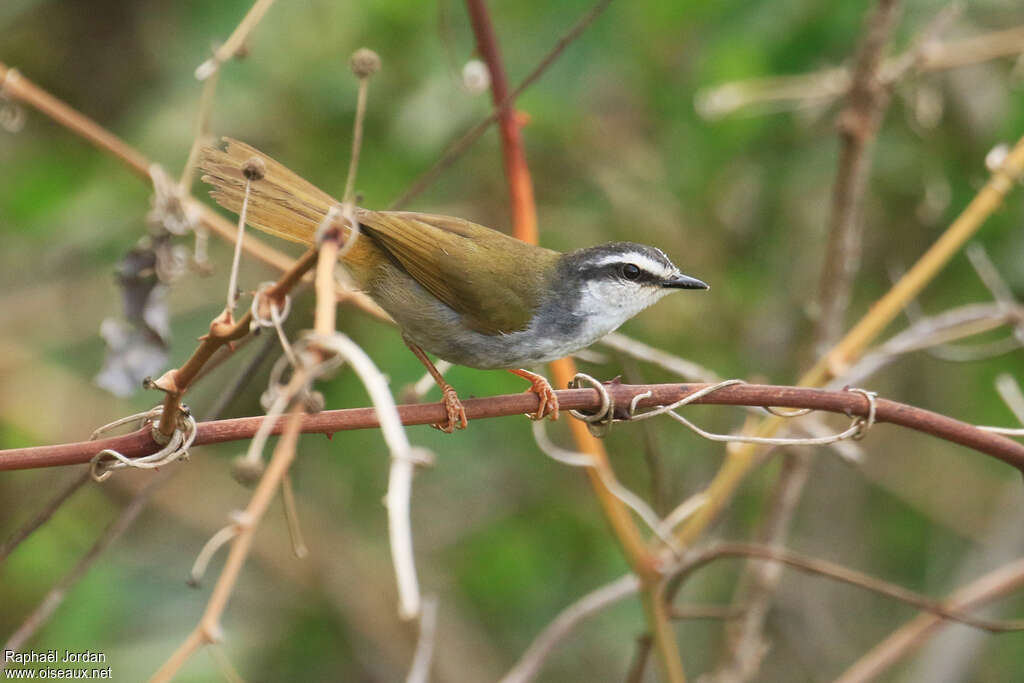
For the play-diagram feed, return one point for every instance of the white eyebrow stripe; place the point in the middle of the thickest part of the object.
(643, 260)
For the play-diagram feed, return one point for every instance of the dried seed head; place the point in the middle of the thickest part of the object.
(364, 62)
(254, 169)
(314, 402)
(475, 77)
(246, 471)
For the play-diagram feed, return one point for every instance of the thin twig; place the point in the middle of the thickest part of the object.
(835, 363)
(365, 64)
(44, 514)
(529, 665)
(223, 331)
(41, 614)
(460, 146)
(930, 333)
(641, 654)
(208, 629)
(1005, 580)
(419, 670)
(683, 367)
(780, 93)
(209, 73)
(1013, 397)
(20, 88)
(130, 512)
(291, 516)
(761, 579)
(235, 41)
(844, 574)
(858, 124)
(201, 134)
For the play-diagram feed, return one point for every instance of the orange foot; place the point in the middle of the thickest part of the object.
(456, 413)
(548, 406)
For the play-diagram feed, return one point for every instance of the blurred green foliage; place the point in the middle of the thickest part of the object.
(505, 537)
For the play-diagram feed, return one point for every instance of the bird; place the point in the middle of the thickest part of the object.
(466, 293)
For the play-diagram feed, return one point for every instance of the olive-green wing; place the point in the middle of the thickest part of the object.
(494, 280)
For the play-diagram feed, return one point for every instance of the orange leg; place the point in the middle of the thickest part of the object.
(452, 404)
(548, 406)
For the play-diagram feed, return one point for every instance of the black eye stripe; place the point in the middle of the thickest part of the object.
(615, 271)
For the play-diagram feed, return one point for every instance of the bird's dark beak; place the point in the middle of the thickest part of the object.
(684, 282)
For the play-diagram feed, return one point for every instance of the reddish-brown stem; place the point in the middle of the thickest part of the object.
(904, 640)
(839, 572)
(222, 332)
(331, 421)
(520, 186)
(525, 228)
(459, 147)
(20, 88)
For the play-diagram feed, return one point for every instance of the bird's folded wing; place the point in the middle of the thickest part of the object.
(493, 280)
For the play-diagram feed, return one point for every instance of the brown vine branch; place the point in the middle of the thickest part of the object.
(916, 632)
(138, 443)
(44, 514)
(939, 613)
(839, 572)
(55, 596)
(223, 331)
(128, 514)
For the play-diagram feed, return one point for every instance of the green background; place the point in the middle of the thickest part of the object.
(504, 536)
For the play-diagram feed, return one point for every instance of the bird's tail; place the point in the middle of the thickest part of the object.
(281, 203)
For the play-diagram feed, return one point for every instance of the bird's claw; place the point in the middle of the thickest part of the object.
(456, 413)
(547, 399)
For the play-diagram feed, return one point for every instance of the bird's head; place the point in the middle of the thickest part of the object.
(615, 281)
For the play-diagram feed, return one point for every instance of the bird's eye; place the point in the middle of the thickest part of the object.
(630, 271)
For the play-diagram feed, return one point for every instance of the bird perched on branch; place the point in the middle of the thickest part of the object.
(466, 293)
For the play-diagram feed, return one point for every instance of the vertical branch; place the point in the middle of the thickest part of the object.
(525, 228)
(457, 148)
(520, 186)
(740, 461)
(235, 41)
(858, 124)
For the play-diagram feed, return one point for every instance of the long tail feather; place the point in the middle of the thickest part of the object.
(282, 203)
